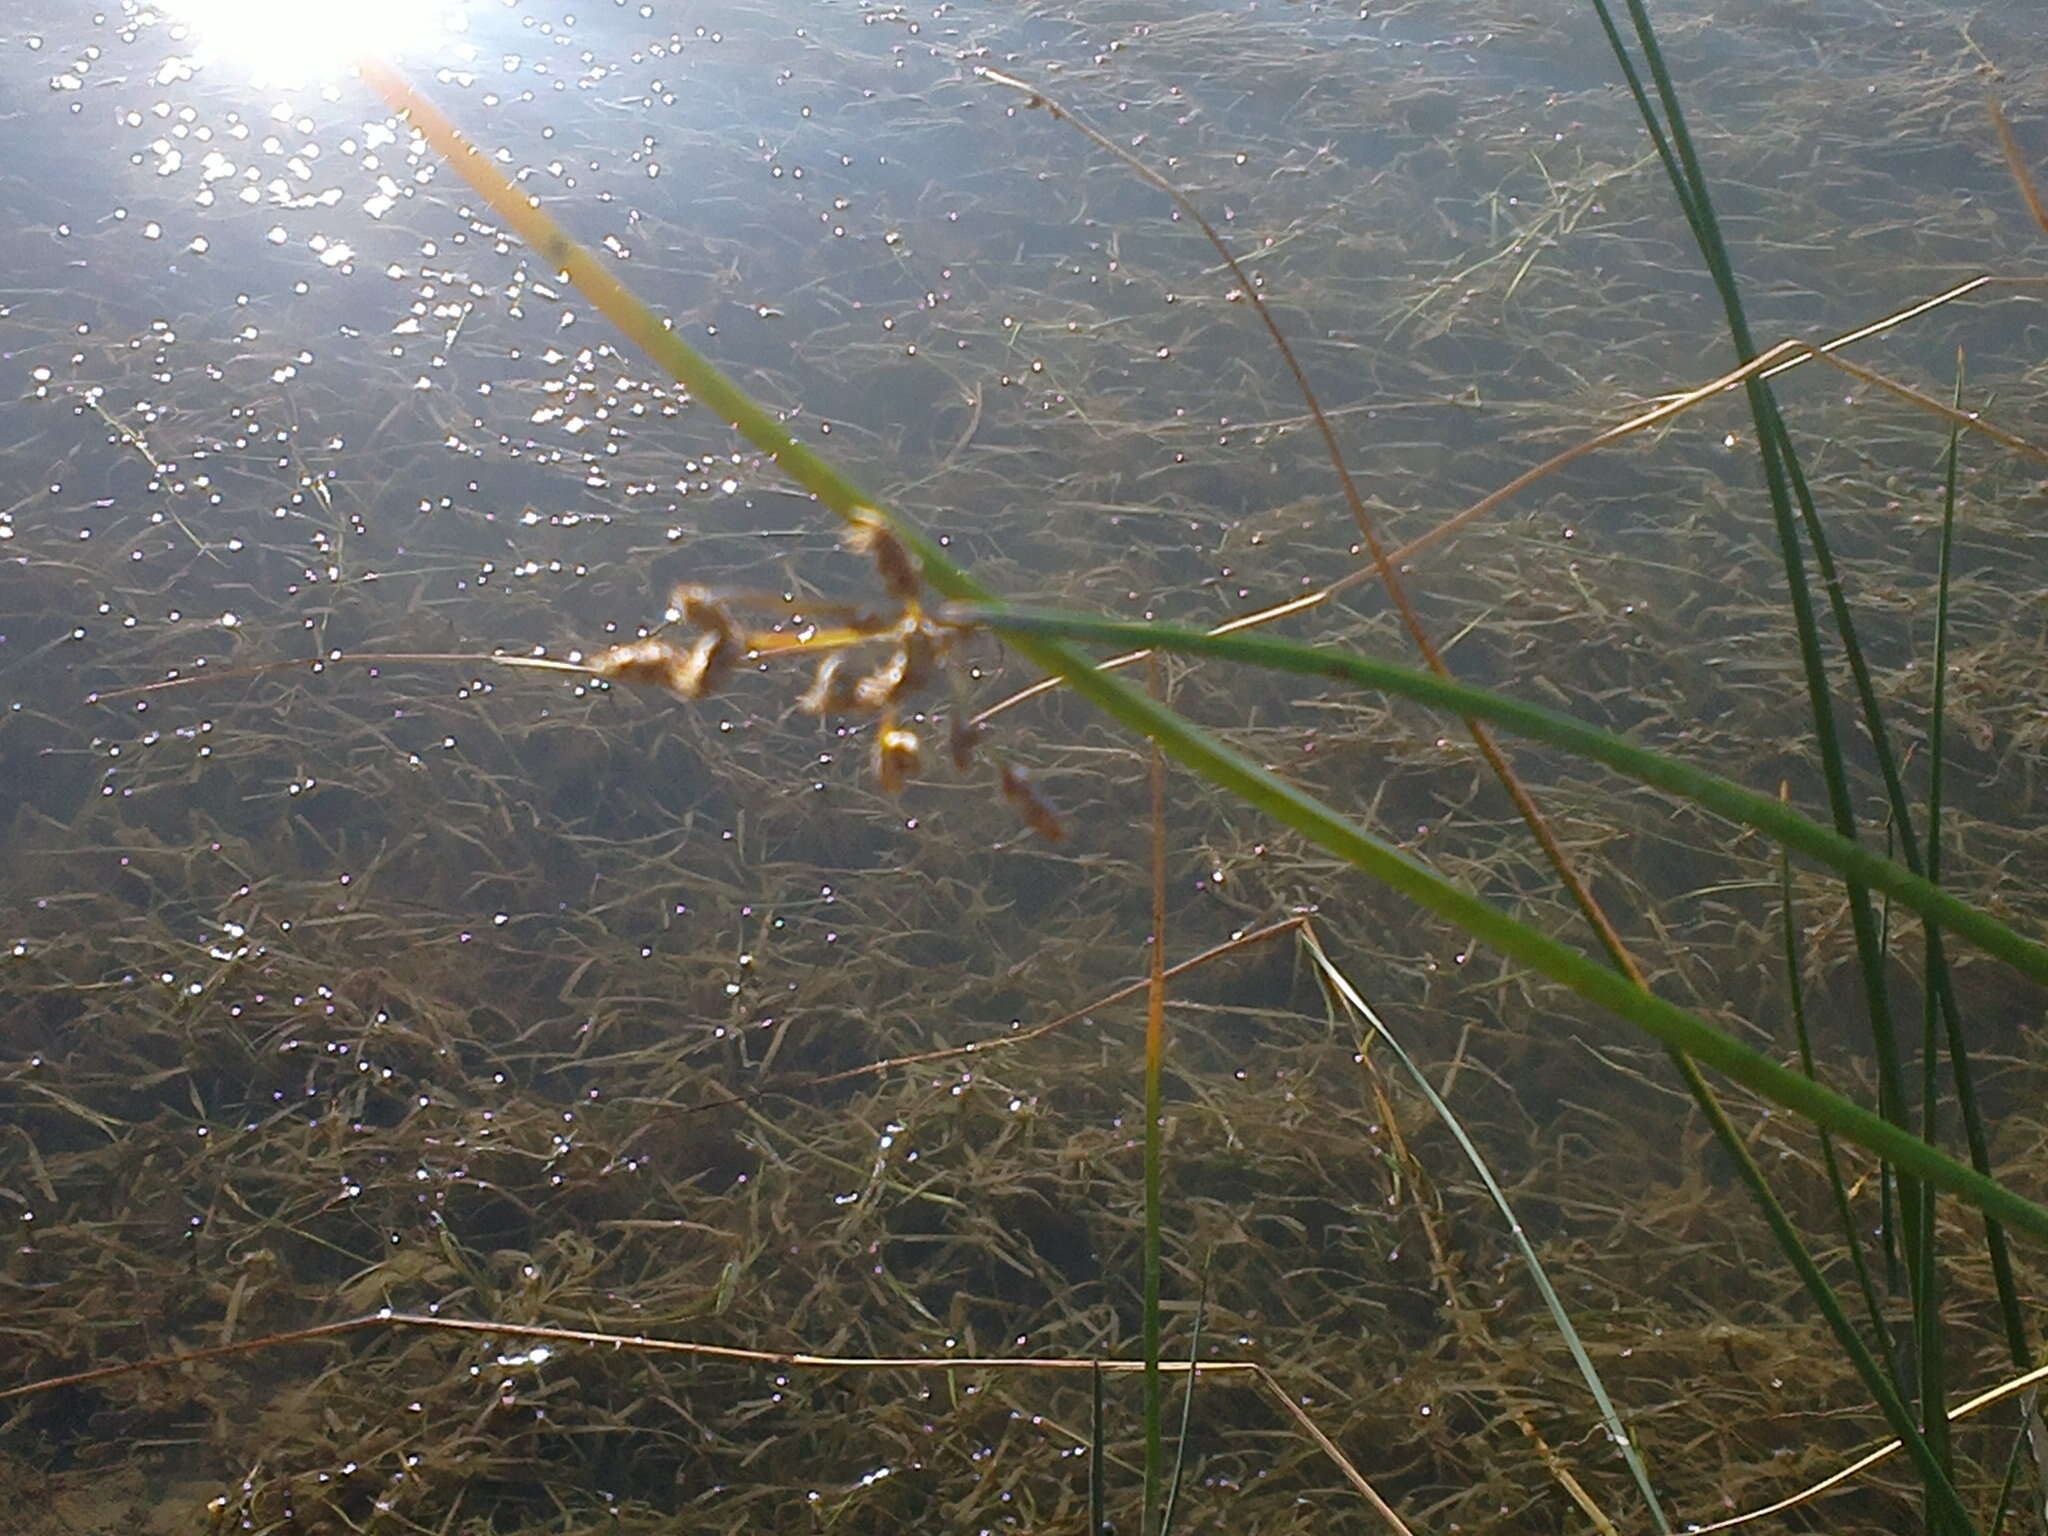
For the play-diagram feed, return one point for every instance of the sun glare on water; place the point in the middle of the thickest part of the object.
(295, 42)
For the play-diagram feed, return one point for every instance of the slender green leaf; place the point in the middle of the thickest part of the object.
(1355, 1004)
(1230, 770)
(1187, 1409)
(1766, 815)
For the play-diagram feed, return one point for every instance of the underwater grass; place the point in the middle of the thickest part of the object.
(1691, 1036)
(1360, 1011)
(1224, 767)
(1786, 483)
(842, 492)
(750, 771)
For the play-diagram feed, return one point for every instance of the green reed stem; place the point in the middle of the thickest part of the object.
(1761, 812)
(1155, 1155)
(1933, 1382)
(1225, 767)
(1960, 1071)
(1838, 1189)
(1780, 466)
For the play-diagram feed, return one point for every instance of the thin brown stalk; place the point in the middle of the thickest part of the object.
(1250, 1370)
(1155, 1152)
(1782, 358)
(1482, 737)
(341, 659)
(2016, 164)
(997, 1042)
(2014, 1387)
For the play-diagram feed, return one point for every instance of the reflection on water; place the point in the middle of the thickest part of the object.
(437, 984)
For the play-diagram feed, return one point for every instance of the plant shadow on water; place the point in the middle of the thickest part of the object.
(507, 995)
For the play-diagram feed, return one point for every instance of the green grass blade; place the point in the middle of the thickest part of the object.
(1927, 1289)
(1942, 1498)
(1761, 812)
(1960, 1072)
(1780, 465)
(1677, 1027)
(1838, 1189)
(2010, 1481)
(1155, 1158)
(1187, 1409)
(1340, 986)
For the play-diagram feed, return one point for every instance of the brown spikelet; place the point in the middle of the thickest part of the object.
(962, 737)
(655, 663)
(2014, 162)
(898, 755)
(648, 663)
(920, 659)
(834, 691)
(908, 669)
(902, 576)
(701, 609)
(1030, 803)
(883, 686)
(711, 661)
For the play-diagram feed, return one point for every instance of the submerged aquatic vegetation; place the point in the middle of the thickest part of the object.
(402, 995)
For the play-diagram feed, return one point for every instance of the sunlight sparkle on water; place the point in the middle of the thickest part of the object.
(294, 42)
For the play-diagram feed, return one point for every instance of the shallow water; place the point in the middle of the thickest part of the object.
(433, 983)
